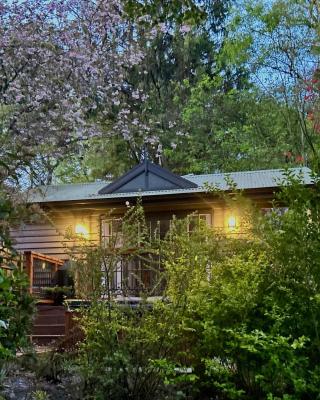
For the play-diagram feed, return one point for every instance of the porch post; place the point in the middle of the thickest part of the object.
(29, 268)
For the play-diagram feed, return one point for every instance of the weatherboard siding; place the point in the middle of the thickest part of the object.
(50, 238)
(46, 240)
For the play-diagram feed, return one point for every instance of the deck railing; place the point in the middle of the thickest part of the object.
(41, 270)
(136, 275)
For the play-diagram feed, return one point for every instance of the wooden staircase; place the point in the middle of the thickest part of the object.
(49, 324)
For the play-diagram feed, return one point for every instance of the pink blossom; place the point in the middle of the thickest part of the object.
(72, 57)
(185, 29)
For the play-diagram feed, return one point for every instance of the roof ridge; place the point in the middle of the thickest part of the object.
(247, 172)
(72, 184)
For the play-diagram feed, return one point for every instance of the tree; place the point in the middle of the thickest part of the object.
(16, 311)
(63, 78)
(206, 107)
(251, 304)
(229, 131)
(185, 41)
(277, 40)
(238, 318)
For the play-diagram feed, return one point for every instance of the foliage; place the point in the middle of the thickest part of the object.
(213, 85)
(188, 78)
(13, 210)
(16, 310)
(39, 395)
(208, 13)
(185, 42)
(58, 293)
(277, 41)
(127, 358)
(238, 319)
(209, 87)
(115, 363)
(95, 267)
(256, 316)
(16, 304)
(236, 124)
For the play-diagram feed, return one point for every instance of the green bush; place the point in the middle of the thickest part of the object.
(58, 293)
(16, 311)
(239, 318)
(117, 358)
(127, 352)
(254, 317)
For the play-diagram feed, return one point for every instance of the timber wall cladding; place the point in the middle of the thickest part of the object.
(51, 238)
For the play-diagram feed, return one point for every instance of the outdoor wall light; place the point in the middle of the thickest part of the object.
(232, 222)
(80, 229)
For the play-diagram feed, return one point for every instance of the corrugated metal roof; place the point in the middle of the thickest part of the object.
(249, 179)
(243, 180)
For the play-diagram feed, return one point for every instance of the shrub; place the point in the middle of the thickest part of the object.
(16, 311)
(254, 317)
(58, 293)
(238, 319)
(127, 351)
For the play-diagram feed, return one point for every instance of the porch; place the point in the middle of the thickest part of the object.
(48, 276)
(44, 272)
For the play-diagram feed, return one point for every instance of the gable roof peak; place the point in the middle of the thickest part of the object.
(147, 176)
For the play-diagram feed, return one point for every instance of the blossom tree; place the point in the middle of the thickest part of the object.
(63, 68)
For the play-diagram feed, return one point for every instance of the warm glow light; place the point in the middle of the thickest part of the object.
(80, 229)
(232, 222)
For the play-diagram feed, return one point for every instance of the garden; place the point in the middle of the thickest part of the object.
(238, 318)
(89, 89)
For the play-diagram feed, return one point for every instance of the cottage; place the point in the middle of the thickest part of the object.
(92, 210)
(85, 209)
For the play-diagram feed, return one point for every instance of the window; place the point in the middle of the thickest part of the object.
(111, 232)
(196, 219)
(207, 218)
(135, 275)
(140, 272)
(158, 228)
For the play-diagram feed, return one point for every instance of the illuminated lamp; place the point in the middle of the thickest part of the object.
(232, 222)
(80, 229)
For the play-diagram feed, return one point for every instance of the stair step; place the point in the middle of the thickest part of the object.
(50, 307)
(49, 320)
(43, 336)
(48, 329)
(51, 312)
(49, 324)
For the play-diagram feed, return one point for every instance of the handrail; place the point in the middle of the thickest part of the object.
(44, 257)
(30, 256)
